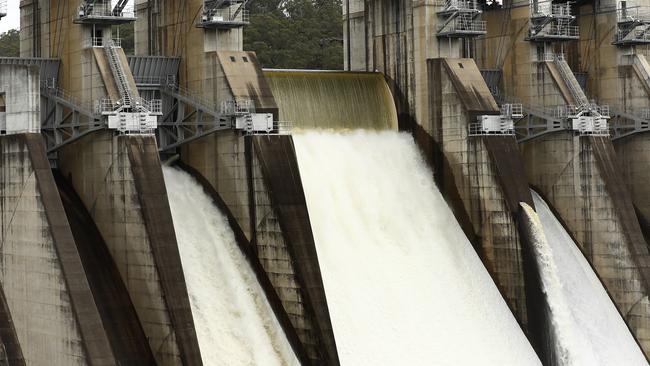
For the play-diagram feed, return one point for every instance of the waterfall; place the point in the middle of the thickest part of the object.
(587, 328)
(325, 99)
(234, 321)
(403, 283)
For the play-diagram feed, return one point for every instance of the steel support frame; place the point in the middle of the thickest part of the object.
(63, 122)
(627, 124)
(185, 120)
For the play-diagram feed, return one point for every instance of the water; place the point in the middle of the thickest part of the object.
(403, 283)
(234, 322)
(333, 99)
(587, 326)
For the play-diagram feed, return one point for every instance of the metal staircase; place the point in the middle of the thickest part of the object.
(130, 114)
(570, 81)
(118, 74)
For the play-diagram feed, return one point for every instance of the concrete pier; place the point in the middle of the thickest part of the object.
(51, 317)
(478, 174)
(119, 179)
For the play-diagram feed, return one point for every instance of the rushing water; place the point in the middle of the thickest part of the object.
(586, 326)
(234, 322)
(333, 99)
(403, 283)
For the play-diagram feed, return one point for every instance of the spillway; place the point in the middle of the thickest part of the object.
(234, 321)
(586, 326)
(327, 99)
(403, 283)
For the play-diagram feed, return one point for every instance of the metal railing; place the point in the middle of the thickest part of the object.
(225, 15)
(478, 129)
(101, 42)
(633, 14)
(460, 25)
(542, 9)
(237, 107)
(153, 106)
(458, 5)
(54, 91)
(547, 57)
(103, 10)
(108, 106)
(563, 30)
(512, 110)
(573, 111)
(635, 35)
(279, 128)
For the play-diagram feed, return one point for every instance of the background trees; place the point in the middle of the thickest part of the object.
(288, 34)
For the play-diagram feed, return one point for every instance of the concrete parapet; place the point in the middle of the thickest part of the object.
(48, 298)
(120, 181)
(581, 179)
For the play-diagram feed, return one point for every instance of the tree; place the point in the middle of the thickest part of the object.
(296, 34)
(126, 36)
(10, 43)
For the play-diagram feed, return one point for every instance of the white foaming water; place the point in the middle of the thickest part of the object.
(588, 328)
(404, 285)
(234, 322)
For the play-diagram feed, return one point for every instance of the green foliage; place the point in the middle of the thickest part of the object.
(296, 34)
(10, 43)
(126, 34)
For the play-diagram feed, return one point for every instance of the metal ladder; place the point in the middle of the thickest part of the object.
(570, 80)
(118, 73)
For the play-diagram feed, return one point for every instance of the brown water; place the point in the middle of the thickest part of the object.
(333, 100)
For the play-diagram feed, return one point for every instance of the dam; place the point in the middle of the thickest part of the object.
(470, 189)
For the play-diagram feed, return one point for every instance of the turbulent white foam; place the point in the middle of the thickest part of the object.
(403, 283)
(588, 328)
(234, 321)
